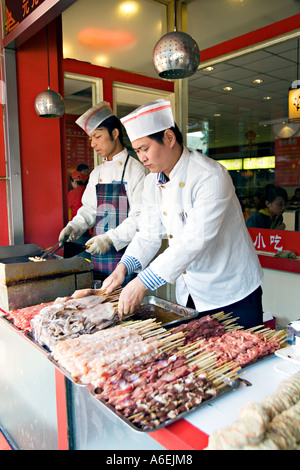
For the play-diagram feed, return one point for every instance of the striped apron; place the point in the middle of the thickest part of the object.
(112, 209)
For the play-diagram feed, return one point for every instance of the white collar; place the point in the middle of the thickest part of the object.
(180, 164)
(119, 156)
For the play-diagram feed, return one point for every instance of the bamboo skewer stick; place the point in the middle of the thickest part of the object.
(170, 346)
(220, 315)
(230, 320)
(234, 328)
(160, 333)
(190, 350)
(193, 345)
(118, 290)
(277, 334)
(234, 377)
(202, 359)
(172, 337)
(254, 328)
(143, 325)
(228, 376)
(222, 369)
(264, 330)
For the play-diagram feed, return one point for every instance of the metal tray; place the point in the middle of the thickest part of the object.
(66, 373)
(231, 387)
(168, 313)
(10, 322)
(29, 336)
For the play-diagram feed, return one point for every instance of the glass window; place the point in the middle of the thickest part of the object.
(238, 111)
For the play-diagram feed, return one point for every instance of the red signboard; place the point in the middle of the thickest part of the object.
(17, 10)
(275, 240)
(287, 166)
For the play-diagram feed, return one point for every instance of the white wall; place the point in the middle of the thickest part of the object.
(281, 295)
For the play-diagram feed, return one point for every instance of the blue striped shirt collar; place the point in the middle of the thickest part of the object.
(162, 178)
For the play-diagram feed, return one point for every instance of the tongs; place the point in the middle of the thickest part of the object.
(54, 249)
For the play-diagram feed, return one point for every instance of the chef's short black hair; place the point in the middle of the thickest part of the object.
(158, 136)
(112, 123)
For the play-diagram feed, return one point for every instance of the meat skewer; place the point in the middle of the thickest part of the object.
(162, 389)
(161, 374)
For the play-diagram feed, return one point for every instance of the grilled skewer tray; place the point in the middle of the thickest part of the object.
(229, 388)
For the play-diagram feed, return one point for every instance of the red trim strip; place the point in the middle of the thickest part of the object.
(93, 114)
(4, 445)
(125, 121)
(61, 410)
(254, 37)
(181, 435)
(271, 241)
(280, 264)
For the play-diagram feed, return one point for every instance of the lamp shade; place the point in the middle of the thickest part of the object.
(294, 103)
(176, 55)
(49, 104)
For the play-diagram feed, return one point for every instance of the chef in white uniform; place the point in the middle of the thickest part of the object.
(190, 199)
(111, 202)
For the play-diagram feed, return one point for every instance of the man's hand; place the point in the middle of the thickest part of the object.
(131, 297)
(98, 245)
(69, 232)
(115, 279)
(280, 226)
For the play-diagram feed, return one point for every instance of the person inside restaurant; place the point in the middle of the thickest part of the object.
(78, 181)
(111, 202)
(83, 168)
(273, 205)
(295, 199)
(190, 199)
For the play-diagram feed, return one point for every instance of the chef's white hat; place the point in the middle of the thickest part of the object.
(94, 116)
(149, 118)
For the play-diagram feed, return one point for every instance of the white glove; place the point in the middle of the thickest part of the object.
(71, 232)
(98, 245)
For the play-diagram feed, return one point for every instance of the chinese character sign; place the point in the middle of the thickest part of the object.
(78, 147)
(287, 166)
(17, 10)
(275, 240)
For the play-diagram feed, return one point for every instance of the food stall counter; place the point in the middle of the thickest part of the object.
(93, 427)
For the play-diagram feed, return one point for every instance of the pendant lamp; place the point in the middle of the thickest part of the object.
(49, 103)
(176, 55)
(294, 95)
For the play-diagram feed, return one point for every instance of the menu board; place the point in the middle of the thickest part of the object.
(16, 11)
(78, 148)
(287, 167)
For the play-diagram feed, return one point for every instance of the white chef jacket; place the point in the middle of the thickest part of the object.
(109, 172)
(210, 254)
